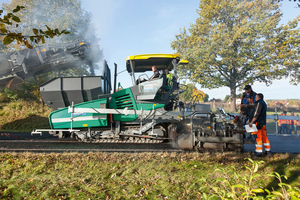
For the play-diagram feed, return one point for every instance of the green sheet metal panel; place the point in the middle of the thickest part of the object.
(124, 98)
(61, 119)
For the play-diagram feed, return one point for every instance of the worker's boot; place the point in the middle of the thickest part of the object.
(268, 153)
(258, 154)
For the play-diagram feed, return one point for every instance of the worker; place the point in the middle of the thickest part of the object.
(169, 79)
(155, 73)
(290, 124)
(293, 125)
(282, 123)
(248, 102)
(296, 123)
(260, 120)
(279, 125)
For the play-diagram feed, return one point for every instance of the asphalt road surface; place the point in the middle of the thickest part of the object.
(279, 144)
(23, 142)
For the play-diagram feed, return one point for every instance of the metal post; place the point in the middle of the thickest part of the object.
(153, 121)
(115, 80)
(295, 127)
(174, 62)
(72, 115)
(132, 72)
(140, 116)
(276, 119)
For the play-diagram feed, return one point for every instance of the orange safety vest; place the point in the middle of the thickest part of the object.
(296, 122)
(283, 121)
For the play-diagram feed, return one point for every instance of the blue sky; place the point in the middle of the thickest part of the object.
(130, 27)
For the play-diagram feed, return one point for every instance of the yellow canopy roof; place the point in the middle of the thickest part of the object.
(144, 62)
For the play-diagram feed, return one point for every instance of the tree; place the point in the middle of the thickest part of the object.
(234, 43)
(206, 98)
(227, 98)
(198, 95)
(187, 94)
(66, 15)
(193, 94)
(38, 35)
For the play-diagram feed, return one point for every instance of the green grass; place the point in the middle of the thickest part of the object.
(23, 115)
(135, 176)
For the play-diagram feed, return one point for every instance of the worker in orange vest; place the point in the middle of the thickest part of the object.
(293, 124)
(247, 103)
(260, 120)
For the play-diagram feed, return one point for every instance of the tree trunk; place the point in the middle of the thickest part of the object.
(232, 99)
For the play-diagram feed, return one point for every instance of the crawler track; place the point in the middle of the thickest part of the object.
(24, 142)
(75, 146)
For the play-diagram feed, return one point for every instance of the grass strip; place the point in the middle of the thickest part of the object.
(139, 175)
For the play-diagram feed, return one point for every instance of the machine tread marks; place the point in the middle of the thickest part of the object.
(132, 141)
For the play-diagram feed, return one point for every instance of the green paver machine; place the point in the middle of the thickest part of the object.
(147, 112)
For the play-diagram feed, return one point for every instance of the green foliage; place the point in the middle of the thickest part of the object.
(28, 90)
(11, 20)
(227, 98)
(7, 95)
(234, 43)
(206, 98)
(131, 175)
(233, 185)
(187, 94)
(22, 109)
(23, 115)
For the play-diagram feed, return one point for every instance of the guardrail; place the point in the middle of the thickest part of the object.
(286, 129)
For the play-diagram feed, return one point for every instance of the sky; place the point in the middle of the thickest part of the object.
(131, 27)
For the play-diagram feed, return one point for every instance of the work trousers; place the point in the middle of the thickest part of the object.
(291, 129)
(283, 129)
(261, 139)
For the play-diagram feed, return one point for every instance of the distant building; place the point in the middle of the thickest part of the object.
(238, 101)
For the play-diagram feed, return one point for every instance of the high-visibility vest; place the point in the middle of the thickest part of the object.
(283, 121)
(251, 98)
(296, 122)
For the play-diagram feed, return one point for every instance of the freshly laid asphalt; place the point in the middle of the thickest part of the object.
(279, 143)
